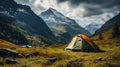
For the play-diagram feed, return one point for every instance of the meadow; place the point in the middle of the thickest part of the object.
(66, 58)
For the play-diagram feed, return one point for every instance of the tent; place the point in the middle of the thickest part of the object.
(83, 43)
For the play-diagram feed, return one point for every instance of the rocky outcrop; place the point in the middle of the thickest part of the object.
(5, 52)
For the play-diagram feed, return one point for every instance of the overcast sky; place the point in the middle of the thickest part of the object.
(83, 11)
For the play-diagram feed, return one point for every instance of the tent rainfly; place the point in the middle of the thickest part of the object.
(82, 42)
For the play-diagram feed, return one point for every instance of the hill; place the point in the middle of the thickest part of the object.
(6, 44)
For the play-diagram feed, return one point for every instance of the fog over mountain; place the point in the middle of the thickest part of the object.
(83, 11)
(93, 27)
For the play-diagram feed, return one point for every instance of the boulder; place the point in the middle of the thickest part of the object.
(99, 59)
(32, 54)
(5, 52)
(52, 59)
(27, 46)
(25, 66)
(10, 61)
(76, 63)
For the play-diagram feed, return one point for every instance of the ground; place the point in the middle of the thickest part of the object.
(66, 58)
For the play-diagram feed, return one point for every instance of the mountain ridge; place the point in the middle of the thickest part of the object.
(108, 25)
(23, 17)
(62, 26)
(109, 30)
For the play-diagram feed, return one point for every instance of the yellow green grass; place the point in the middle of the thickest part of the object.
(63, 56)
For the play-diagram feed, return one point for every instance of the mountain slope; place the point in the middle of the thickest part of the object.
(23, 17)
(93, 27)
(12, 34)
(108, 25)
(6, 44)
(63, 27)
(110, 30)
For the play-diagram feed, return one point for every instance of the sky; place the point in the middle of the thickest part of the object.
(83, 12)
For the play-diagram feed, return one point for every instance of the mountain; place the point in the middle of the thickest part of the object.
(109, 24)
(93, 27)
(62, 26)
(109, 30)
(12, 34)
(23, 17)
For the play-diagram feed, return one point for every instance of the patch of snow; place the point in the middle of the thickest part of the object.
(6, 13)
(22, 10)
(20, 23)
(56, 13)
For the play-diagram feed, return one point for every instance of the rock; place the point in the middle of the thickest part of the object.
(26, 66)
(20, 56)
(1, 63)
(99, 59)
(52, 60)
(5, 52)
(27, 46)
(10, 61)
(15, 66)
(76, 63)
(32, 54)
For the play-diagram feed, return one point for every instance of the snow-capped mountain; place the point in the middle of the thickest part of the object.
(56, 17)
(93, 27)
(23, 17)
(61, 25)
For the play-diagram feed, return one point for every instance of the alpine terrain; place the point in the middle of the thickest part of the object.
(23, 17)
(62, 26)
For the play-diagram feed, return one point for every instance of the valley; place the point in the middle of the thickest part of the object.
(34, 34)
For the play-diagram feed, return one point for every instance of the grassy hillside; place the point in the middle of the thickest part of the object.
(109, 24)
(18, 36)
(67, 58)
(115, 30)
(11, 33)
(107, 37)
(6, 44)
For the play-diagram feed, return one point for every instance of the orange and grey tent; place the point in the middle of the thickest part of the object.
(83, 43)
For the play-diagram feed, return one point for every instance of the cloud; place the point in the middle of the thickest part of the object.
(94, 7)
(103, 3)
(83, 8)
(36, 5)
(83, 11)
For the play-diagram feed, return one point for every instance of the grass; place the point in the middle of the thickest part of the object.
(6, 44)
(65, 56)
